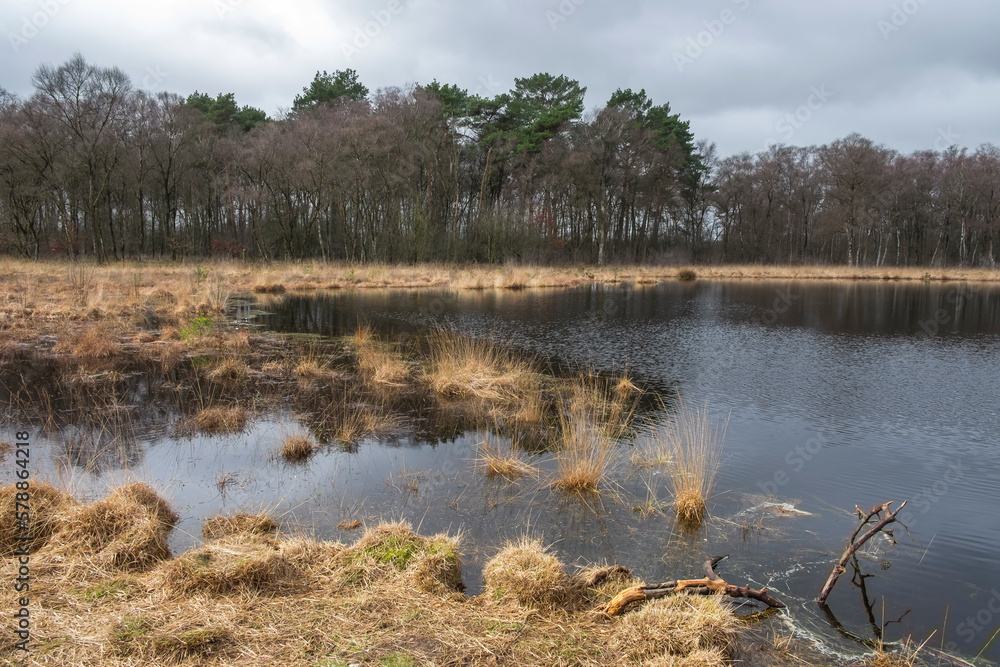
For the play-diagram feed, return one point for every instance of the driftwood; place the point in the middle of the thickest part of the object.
(709, 585)
(884, 516)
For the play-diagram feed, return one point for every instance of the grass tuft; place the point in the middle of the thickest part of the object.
(232, 565)
(694, 448)
(528, 574)
(686, 275)
(222, 420)
(463, 367)
(681, 630)
(47, 505)
(125, 532)
(590, 427)
(239, 524)
(297, 448)
(494, 463)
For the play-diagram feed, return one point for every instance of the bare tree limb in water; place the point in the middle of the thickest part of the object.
(884, 518)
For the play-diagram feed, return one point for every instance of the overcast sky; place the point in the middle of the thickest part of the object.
(910, 74)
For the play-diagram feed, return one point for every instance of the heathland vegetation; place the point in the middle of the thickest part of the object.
(92, 167)
(101, 353)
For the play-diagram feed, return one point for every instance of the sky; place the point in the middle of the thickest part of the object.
(908, 74)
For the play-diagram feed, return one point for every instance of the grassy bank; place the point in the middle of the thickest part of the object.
(107, 591)
(36, 292)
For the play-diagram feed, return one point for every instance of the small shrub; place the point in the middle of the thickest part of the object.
(196, 328)
(686, 275)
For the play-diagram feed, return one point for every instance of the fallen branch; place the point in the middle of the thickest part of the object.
(709, 585)
(885, 517)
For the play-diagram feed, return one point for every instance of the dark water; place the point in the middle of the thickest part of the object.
(838, 394)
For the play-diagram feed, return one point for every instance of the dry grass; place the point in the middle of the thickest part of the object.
(528, 574)
(590, 428)
(377, 361)
(235, 564)
(222, 420)
(463, 367)
(55, 290)
(230, 371)
(47, 504)
(98, 341)
(239, 524)
(693, 445)
(393, 597)
(125, 532)
(683, 630)
(297, 448)
(493, 462)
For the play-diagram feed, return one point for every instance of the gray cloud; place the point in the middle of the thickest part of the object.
(900, 71)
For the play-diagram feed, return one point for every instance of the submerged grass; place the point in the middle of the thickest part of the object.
(594, 418)
(377, 361)
(493, 462)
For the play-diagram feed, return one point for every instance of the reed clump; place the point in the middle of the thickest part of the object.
(590, 427)
(377, 361)
(493, 462)
(297, 448)
(222, 420)
(693, 445)
(464, 367)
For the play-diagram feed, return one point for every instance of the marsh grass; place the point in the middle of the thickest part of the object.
(527, 573)
(297, 448)
(593, 419)
(222, 419)
(585, 452)
(378, 362)
(391, 596)
(493, 462)
(464, 367)
(693, 445)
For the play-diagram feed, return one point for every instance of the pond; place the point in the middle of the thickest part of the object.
(837, 394)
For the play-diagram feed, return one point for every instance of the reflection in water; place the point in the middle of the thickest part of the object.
(838, 393)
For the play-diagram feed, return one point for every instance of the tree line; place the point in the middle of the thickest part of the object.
(91, 166)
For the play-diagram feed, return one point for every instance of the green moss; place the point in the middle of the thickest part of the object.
(398, 660)
(130, 633)
(106, 589)
(197, 641)
(394, 551)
